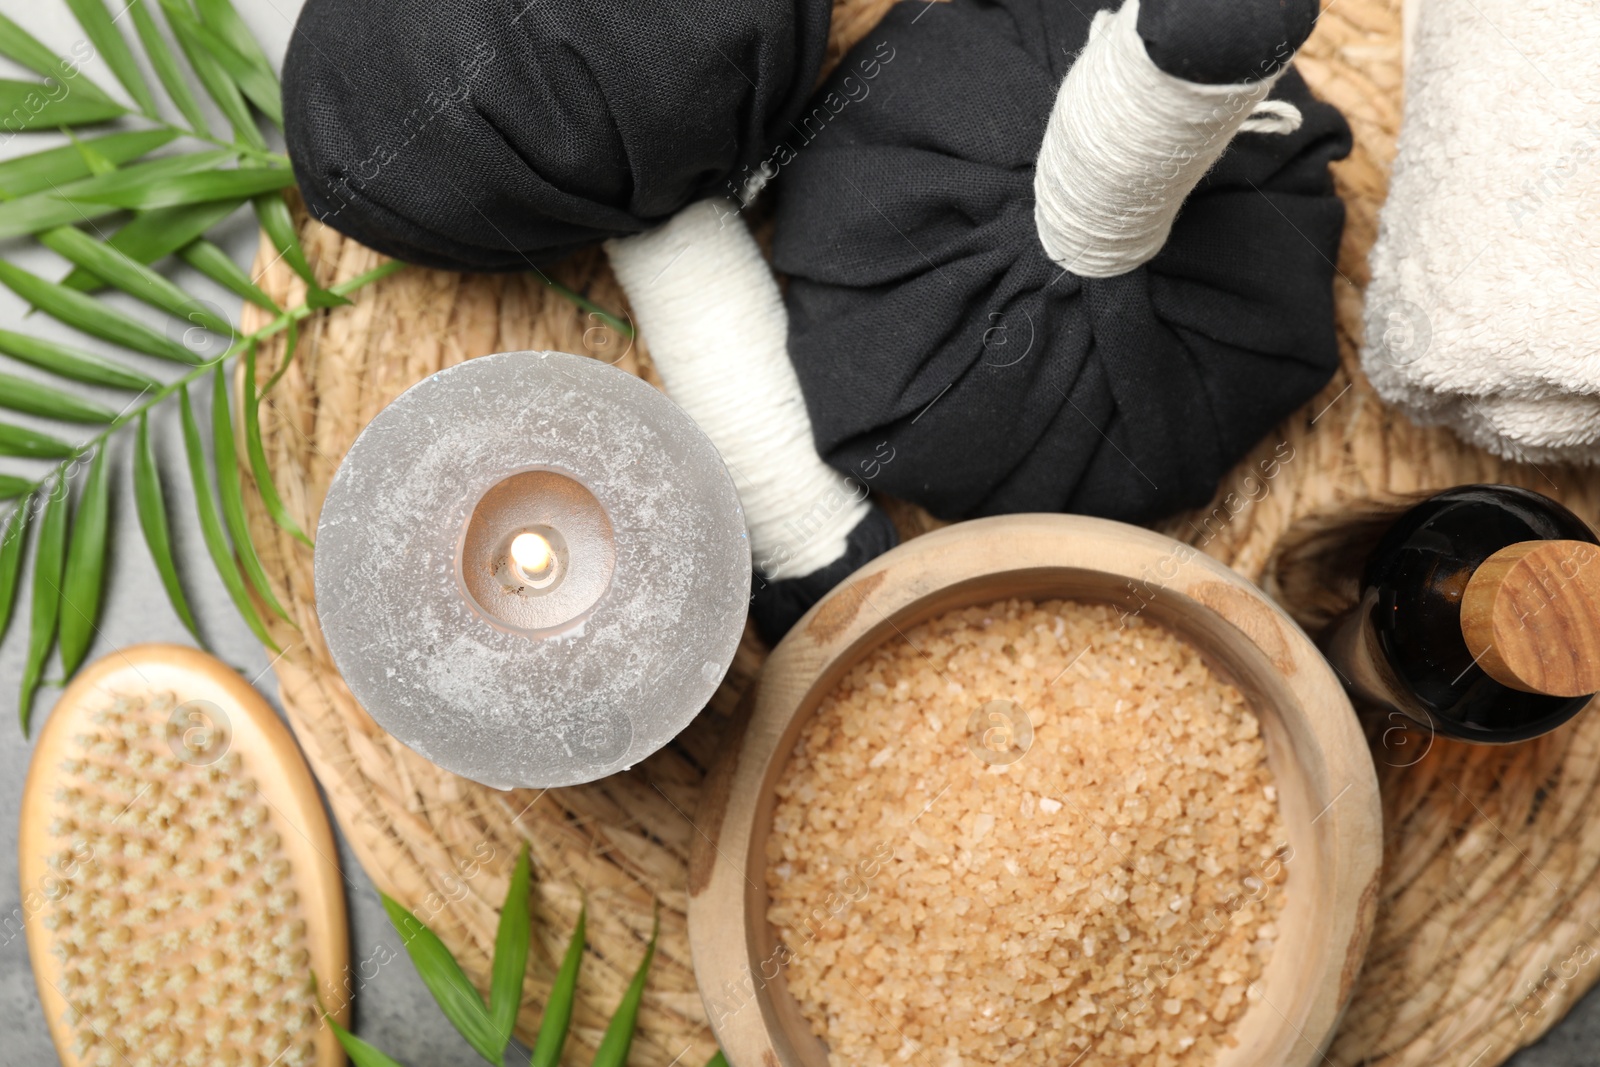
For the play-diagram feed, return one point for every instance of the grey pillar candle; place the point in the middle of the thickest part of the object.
(532, 569)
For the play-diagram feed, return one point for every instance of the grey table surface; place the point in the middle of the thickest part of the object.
(393, 1009)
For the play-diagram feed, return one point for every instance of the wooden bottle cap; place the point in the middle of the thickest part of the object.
(1531, 616)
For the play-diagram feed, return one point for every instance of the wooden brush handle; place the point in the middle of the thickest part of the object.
(1531, 616)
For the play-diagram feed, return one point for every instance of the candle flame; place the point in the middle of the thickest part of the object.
(531, 553)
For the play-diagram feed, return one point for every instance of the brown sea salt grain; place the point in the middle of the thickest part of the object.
(945, 897)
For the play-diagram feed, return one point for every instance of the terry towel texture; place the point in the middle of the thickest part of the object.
(1484, 308)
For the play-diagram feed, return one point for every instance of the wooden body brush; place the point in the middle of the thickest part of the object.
(179, 878)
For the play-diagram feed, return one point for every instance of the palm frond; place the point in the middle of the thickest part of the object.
(273, 212)
(230, 492)
(31, 444)
(213, 77)
(83, 573)
(165, 64)
(121, 271)
(113, 48)
(215, 264)
(18, 44)
(12, 541)
(48, 559)
(90, 316)
(153, 235)
(255, 448)
(32, 398)
(151, 505)
(54, 167)
(74, 363)
(44, 108)
(488, 1028)
(211, 530)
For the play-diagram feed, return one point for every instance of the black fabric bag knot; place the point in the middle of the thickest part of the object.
(489, 135)
(924, 311)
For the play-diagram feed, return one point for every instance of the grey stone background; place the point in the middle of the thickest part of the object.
(393, 1009)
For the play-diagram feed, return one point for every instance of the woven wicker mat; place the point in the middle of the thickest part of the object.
(1489, 908)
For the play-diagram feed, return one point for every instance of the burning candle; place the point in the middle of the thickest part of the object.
(534, 559)
(532, 569)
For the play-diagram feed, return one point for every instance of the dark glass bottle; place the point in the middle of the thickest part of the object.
(1402, 646)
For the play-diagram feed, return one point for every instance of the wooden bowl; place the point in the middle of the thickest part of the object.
(1327, 789)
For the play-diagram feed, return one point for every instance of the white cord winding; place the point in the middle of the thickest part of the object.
(1126, 143)
(708, 305)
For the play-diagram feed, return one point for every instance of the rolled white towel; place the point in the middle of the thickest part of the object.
(1484, 309)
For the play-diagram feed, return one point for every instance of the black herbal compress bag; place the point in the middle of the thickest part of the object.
(488, 135)
(925, 312)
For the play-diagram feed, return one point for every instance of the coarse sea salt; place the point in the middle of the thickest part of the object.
(1088, 905)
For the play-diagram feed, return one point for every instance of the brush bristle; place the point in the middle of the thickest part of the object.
(172, 904)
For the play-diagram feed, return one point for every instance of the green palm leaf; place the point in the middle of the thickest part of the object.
(57, 166)
(132, 277)
(211, 525)
(221, 89)
(11, 545)
(563, 992)
(47, 563)
(291, 340)
(48, 208)
(273, 211)
(230, 491)
(618, 1039)
(92, 158)
(222, 17)
(256, 451)
(113, 48)
(149, 172)
(510, 965)
(361, 1054)
(443, 976)
(89, 315)
(40, 110)
(150, 502)
(20, 441)
(166, 66)
(32, 398)
(74, 363)
(152, 235)
(44, 211)
(12, 487)
(216, 264)
(83, 577)
(18, 44)
(257, 83)
(191, 188)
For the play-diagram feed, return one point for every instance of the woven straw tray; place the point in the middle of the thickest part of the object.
(1489, 907)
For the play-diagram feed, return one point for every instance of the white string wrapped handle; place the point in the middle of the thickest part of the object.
(707, 303)
(1127, 142)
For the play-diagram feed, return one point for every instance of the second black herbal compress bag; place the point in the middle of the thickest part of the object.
(925, 312)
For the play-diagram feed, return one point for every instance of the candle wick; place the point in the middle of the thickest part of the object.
(532, 556)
